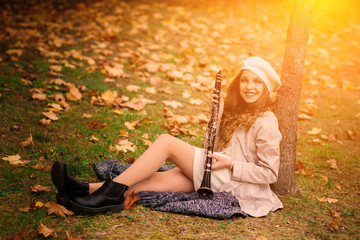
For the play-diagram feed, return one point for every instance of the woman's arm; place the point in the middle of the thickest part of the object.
(268, 139)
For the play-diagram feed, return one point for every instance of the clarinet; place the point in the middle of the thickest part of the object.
(205, 187)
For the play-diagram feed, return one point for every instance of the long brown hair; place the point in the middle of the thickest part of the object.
(237, 112)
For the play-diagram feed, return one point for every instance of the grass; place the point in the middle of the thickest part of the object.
(68, 138)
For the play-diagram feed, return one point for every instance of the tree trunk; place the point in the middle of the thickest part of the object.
(287, 101)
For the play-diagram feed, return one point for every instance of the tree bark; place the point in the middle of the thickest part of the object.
(287, 101)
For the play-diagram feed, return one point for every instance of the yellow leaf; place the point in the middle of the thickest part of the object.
(39, 204)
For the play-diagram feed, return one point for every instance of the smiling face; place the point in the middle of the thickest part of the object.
(251, 87)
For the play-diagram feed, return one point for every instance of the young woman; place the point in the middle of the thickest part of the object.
(245, 163)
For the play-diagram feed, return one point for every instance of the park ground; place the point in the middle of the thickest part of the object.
(87, 81)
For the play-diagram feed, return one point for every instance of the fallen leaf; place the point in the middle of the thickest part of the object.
(32, 206)
(39, 188)
(186, 94)
(118, 111)
(334, 213)
(97, 125)
(114, 72)
(329, 200)
(133, 88)
(15, 160)
(27, 142)
(39, 205)
(195, 101)
(304, 116)
(124, 146)
(173, 104)
(39, 96)
(132, 125)
(73, 94)
(44, 121)
(135, 103)
(201, 118)
(124, 133)
(179, 119)
(57, 97)
(46, 232)
(324, 178)
(151, 90)
(130, 200)
(85, 115)
(54, 107)
(314, 131)
(71, 237)
(55, 68)
(334, 224)
(93, 139)
(51, 115)
(59, 210)
(351, 134)
(333, 164)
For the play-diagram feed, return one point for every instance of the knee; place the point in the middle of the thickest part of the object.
(165, 138)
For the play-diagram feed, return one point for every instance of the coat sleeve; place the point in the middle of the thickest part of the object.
(265, 171)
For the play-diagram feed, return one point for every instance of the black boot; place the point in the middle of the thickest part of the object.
(109, 197)
(67, 187)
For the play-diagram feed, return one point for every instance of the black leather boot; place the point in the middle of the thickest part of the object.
(67, 187)
(109, 197)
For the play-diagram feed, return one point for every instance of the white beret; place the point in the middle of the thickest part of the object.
(265, 71)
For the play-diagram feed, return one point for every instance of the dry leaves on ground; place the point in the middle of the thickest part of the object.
(38, 188)
(27, 142)
(130, 200)
(45, 231)
(15, 160)
(59, 210)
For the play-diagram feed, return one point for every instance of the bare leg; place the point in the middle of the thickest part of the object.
(166, 147)
(173, 180)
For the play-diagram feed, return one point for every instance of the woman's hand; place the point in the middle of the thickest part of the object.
(214, 97)
(217, 99)
(220, 161)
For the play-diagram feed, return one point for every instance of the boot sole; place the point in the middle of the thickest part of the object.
(79, 208)
(58, 171)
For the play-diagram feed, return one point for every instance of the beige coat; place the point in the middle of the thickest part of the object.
(256, 158)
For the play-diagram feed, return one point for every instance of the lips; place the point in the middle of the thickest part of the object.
(250, 94)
